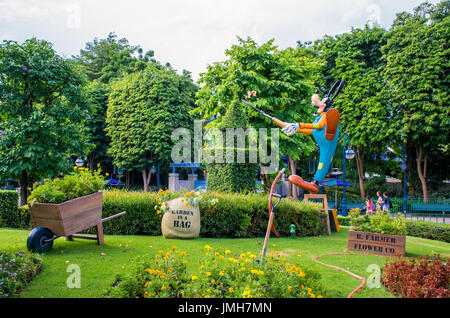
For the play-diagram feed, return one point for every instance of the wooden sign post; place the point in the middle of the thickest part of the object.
(383, 244)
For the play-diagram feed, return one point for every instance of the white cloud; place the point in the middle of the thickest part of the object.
(189, 33)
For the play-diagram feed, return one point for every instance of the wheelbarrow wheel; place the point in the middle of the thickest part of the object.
(39, 240)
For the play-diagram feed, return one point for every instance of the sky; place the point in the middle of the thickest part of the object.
(190, 34)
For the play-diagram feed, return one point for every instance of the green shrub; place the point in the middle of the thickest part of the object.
(432, 231)
(222, 275)
(378, 223)
(246, 215)
(344, 220)
(77, 184)
(141, 217)
(16, 270)
(8, 207)
(233, 215)
(231, 177)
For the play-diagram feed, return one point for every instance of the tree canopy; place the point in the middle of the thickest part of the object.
(42, 106)
(143, 110)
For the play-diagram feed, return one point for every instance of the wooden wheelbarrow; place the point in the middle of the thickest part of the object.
(51, 221)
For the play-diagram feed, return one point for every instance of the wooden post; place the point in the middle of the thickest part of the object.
(100, 238)
(324, 206)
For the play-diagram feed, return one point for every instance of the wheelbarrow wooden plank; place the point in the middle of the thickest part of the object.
(76, 206)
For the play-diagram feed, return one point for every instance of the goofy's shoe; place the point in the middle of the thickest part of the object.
(312, 187)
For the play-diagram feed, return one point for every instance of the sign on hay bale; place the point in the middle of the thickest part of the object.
(180, 221)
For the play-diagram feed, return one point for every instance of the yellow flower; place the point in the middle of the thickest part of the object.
(158, 212)
(194, 277)
(183, 253)
(206, 296)
(208, 274)
(230, 289)
(184, 262)
(186, 204)
(157, 256)
(107, 174)
(145, 294)
(309, 290)
(227, 252)
(290, 288)
(164, 287)
(221, 274)
(319, 296)
(246, 293)
(213, 281)
(208, 248)
(150, 271)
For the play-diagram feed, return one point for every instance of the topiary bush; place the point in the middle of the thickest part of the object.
(8, 208)
(232, 176)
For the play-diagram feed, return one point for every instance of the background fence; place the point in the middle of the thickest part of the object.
(397, 207)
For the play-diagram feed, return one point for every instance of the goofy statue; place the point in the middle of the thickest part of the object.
(325, 131)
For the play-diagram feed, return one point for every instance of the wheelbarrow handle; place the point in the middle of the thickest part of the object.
(113, 216)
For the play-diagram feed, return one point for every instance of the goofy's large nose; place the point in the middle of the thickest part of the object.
(315, 99)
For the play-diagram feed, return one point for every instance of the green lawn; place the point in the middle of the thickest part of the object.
(100, 264)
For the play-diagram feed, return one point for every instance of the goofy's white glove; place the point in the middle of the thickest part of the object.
(290, 129)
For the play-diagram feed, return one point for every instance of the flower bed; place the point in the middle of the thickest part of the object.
(221, 275)
(380, 234)
(421, 277)
(16, 270)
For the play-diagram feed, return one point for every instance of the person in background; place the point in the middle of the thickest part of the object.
(387, 202)
(380, 201)
(369, 206)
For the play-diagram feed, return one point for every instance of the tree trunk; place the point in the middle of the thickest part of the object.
(292, 164)
(411, 160)
(422, 173)
(147, 177)
(267, 184)
(91, 162)
(23, 184)
(360, 168)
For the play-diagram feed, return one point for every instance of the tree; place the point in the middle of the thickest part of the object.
(97, 94)
(282, 80)
(107, 59)
(417, 80)
(103, 61)
(143, 110)
(355, 58)
(42, 108)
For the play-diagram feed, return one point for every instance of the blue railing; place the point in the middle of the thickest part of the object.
(397, 207)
